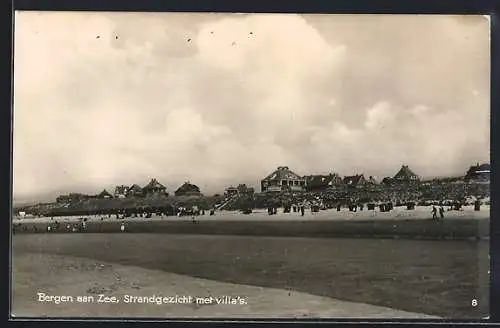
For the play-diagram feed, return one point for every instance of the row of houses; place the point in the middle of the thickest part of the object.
(283, 179)
(153, 188)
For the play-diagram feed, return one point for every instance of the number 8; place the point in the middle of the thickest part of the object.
(474, 302)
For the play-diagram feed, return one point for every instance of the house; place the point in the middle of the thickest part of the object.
(283, 179)
(104, 194)
(76, 197)
(71, 198)
(121, 191)
(243, 189)
(135, 191)
(154, 188)
(372, 183)
(63, 199)
(323, 182)
(355, 181)
(405, 175)
(478, 173)
(388, 181)
(231, 191)
(188, 189)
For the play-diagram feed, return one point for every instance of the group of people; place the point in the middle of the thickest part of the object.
(435, 212)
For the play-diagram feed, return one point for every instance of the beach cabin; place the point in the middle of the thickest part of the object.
(283, 179)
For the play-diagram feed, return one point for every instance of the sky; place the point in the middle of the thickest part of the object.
(104, 99)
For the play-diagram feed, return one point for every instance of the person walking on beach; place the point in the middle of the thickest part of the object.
(441, 212)
(434, 212)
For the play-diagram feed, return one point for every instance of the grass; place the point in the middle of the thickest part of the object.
(432, 277)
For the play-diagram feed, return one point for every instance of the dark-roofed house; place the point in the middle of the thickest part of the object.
(104, 194)
(478, 173)
(188, 189)
(355, 181)
(154, 188)
(63, 199)
(323, 182)
(121, 191)
(406, 175)
(231, 191)
(283, 179)
(372, 183)
(135, 191)
(244, 189)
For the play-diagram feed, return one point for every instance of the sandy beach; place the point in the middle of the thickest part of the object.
(56, 275)
(399, 213)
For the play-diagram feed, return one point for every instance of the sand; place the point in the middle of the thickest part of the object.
(71, 276)
(399, 213)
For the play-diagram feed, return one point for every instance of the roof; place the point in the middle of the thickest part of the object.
(121, 188)
(318, 181)
(188, 187)
(135, 187)
(354, 179)
(405, 174)
(479, 172)
(483, 168)
(154, 184)
(283, 173)
(104, 193)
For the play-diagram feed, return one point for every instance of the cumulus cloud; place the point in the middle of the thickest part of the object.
(102, 99)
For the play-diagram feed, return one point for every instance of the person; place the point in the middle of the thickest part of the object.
(302, 210)
(122, 227)
(434, 212)
(441, 212)
(48, 228)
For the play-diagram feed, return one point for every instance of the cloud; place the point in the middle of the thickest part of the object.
(110, 98)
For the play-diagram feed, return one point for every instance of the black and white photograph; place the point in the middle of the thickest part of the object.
(250, 166)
